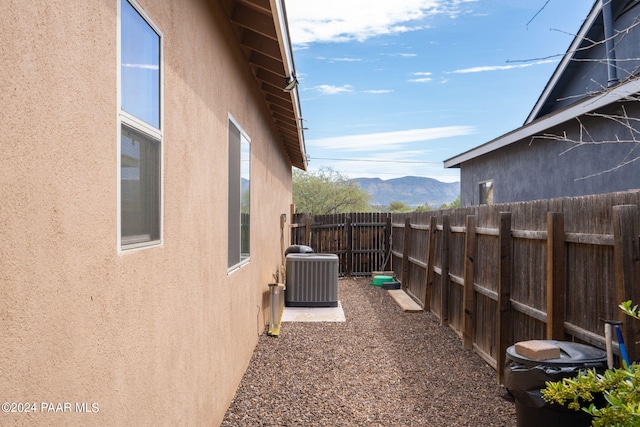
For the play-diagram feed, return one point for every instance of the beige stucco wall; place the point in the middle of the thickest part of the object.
(159, 336)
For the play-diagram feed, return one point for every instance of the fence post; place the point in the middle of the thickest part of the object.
(405, 253)
(555, 276)
(444, 280)
(348, 242)
(307, 230)
(387, 244)
(431, 256)
(626, 263)
(504, 292)
(292, 215)
(468, 298)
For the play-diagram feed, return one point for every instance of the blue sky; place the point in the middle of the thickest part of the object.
(394, 88)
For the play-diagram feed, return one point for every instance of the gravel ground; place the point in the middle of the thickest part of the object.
(382, 367)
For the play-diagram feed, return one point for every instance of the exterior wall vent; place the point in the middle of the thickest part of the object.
(312, 280)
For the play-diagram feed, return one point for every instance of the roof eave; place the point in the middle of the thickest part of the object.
(591, 103)
(282, 27)
(565, 62)
(261, 29)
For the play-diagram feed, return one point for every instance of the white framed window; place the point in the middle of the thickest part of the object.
(485, 192)
(239, 208)
(139, 129)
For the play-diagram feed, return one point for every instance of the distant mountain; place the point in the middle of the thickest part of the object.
(411, 190)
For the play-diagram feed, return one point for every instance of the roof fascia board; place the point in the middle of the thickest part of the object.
(587, 105)
(281, 25)
(284, 40)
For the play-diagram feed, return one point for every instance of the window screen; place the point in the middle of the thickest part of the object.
(239, 208)
(140, 134)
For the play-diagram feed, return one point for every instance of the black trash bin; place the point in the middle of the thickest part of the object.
(524, 378)
(298, 249)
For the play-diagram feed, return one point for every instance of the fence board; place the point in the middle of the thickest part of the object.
(444, 268)
(504, 326)
(625, 230)
(469, 300)
(431, 251)
(555, 276)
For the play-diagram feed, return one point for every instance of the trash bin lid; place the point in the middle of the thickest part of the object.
(571, 354)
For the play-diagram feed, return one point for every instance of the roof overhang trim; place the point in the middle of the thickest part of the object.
(589, 104)
(565, 61)
(262, 32)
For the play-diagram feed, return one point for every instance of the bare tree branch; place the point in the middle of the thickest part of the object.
(585, 138)
(628, 126)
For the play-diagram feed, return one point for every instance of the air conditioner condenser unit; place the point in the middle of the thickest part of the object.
(312, 280)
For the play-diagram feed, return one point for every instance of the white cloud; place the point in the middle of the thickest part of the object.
(425, 77)
(142, 66)
(421, 77)
(378, 91)
(500, 67)
(421, 80)
(333, 90)
(388, 140)
(322, 58)
(340, 20)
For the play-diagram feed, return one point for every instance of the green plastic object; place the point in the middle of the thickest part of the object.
(379, 280)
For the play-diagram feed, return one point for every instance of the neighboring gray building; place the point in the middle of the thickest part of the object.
(583, 135)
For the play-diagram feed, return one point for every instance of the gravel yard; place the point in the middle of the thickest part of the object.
(382, 367)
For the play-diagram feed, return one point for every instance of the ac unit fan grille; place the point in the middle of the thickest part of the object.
(312, 280)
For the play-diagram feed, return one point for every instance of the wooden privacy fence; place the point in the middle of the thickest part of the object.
(499, 274)
(362, 241)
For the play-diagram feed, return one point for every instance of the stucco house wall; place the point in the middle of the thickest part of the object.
(157, 336)
(536, 167)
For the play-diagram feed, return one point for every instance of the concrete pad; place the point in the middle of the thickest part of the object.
(314, 314)
(405, 302)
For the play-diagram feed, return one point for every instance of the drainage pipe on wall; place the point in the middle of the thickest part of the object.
(607, 19)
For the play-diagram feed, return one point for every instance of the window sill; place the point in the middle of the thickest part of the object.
(130, 246)
(238, 266)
